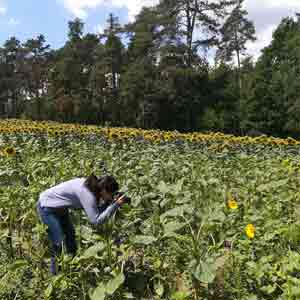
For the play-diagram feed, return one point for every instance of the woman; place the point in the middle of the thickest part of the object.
(54, 203)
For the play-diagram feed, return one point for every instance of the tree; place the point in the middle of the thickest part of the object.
(37, 64)
(235, 33)
(70, 76)
(140, 93)
(221, 106)
(190, 15)
(145, 35)
(113, 49)
(75, 30)
(12, 82)
(274, 99)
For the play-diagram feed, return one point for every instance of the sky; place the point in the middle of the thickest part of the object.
(26, 19)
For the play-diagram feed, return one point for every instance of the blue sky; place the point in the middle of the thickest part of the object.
(27, 18)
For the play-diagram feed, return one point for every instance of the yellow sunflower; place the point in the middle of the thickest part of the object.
(232, 204)
(250, 231)
(10, 151)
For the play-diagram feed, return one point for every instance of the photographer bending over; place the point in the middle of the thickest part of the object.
(54, 203)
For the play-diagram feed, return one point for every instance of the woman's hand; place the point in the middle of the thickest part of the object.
(121, 199)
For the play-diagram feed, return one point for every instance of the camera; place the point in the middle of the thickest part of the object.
(126, 198)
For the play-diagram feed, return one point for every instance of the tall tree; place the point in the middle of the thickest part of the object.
(190, 16)
(145, 35)
(113, 49)
(13, 79)
(273, 102)
(235, 33)
(140, 93)
(111, 64)
(75, 30)
(98, 85)
(70, 87)
(37, 61)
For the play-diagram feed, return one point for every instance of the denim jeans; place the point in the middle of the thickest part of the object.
(60, 232)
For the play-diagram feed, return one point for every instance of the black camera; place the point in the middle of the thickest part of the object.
(125, 198)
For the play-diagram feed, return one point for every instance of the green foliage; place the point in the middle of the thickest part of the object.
(154, 73)
(274, 98)
(178, 240)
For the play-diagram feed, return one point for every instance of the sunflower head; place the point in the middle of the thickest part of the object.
(10, 151)
(232, 204)
(250, 231)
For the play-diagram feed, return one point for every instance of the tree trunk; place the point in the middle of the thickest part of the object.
(239, 83)
(189, 37)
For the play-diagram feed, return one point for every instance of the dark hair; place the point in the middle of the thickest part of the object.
(96, 185)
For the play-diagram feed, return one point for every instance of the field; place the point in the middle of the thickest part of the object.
(213, 216)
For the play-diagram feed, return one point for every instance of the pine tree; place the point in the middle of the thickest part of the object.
(235, 33)
(190, 16)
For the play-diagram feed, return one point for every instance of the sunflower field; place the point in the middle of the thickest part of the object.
(213, 216)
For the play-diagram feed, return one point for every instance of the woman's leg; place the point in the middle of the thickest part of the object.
(69, 232)
(55, 234)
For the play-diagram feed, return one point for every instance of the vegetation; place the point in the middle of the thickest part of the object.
(154, 73)
(213, 216)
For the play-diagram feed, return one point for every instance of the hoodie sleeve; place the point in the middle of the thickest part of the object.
(94, 214)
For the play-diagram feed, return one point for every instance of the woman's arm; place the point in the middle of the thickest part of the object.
(94, 214)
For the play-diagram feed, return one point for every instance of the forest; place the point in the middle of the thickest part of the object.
(180, 65)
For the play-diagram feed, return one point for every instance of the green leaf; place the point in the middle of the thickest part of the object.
(128, 296)
(159, 289)
(18, 264)
(177, 187)
(217, 215)
(163, 188)
(99, 292)
(93, 250)
(176, 236)
(144, 239)
(177, 211)
(173, 226)
(114, 284)
(272, 185)
(295, 291)
(57, 279)
(86, 232)
(181, 295)
(206, 272)
(48, 291)
(268, 289)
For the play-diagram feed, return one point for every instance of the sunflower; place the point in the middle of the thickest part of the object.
(250, 231)
(232, 204)
(10, 151)
(114, 135)
(168, 137)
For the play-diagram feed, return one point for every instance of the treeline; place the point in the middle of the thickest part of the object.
(155, 73)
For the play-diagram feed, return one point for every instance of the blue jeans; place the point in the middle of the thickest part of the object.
(60, 232)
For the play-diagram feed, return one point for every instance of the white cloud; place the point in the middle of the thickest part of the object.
(263, 40)
(13, 22)
(134, 6)
(2, 11)
(80, 8)
(3, 8)
(266, 17)
(272, 4)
